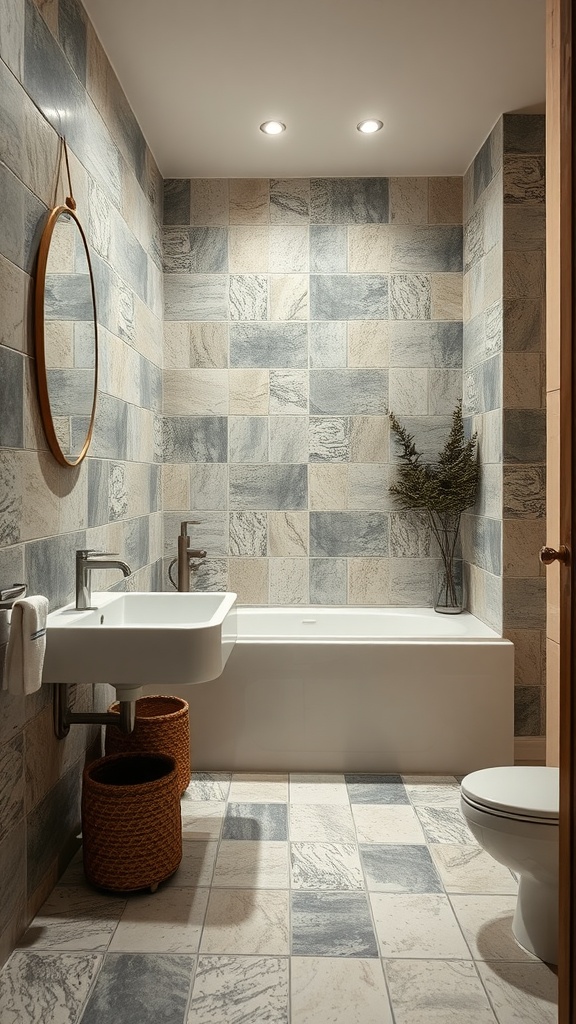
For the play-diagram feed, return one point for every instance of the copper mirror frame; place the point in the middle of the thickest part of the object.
(67, 210)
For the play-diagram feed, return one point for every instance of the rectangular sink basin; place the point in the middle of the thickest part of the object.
(137, 639)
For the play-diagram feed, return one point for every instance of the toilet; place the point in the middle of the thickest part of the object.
(513, 814)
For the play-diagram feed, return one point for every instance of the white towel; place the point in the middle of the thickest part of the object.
(26, 645)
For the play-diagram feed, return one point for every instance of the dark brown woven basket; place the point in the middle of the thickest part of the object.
(162, 727)
(131, 825)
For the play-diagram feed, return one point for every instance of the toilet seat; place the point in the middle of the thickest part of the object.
(519, 793)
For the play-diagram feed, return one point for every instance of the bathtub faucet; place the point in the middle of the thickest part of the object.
(185, 553)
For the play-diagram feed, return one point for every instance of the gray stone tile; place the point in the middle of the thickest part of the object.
(328, 249)
(248, 439)
(51, 987)
(370, 788)
(140, 988)
(524, 228)
(176, 201)
(288, 391)
(429, 433)
(72, 34)
(413, 582)
(327, 341)
(524, 435)
(478, 344)
(482, 542)
(248, 534)
(444, 825)
(349, 297)
(487, 161)
(328, 581)
(12, 35)
(54, 820)
(525, 603)
(289, 200)
(235, 988)
(268, 487)
(49, 566)
(528, 707)
(13, 885)
(399, 868)
(288, 438)
(209, 530)
(329, 438)
(410, 297)
(269, 344)
(332, 924)
(349, 200)
(482, 387)
(195, 439)
(354, 392)
(524, 179)
(524, 133)
(11, 784)
(11, 398)
(524, 492)
(431, 249)
(208, 486)
(261, 821)
(196, 297)
(426, 344)
(248, 297)
(348, 533)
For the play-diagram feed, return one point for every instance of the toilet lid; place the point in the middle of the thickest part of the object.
(516, 792)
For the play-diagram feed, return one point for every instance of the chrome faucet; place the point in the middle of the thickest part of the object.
(84, 566)
(185, 553)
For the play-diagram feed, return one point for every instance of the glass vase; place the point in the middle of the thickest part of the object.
(449, 592)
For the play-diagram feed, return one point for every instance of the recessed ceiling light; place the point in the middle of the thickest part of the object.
(272, 127)
(370, 126)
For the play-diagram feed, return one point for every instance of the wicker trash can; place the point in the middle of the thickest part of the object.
(131, 824)
(162, 727)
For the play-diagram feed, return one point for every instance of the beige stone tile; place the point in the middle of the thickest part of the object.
(493, 272)
(521, 992)
(208, 345)
(524, 275)
(487, 925)
(468, 869)
(409, 200)
(328, 486)
(259, 787)
(369, 249)
(446, 296)
(408, 391)
(252, 864)
(339, 990)
(169, 921)
(432, 790)
(368, 343)
(248, 249)
(289, 297)
(445, 200)
(381, 823)
(288, 581)
(289, 249)
(437, 992)
(15, 300)
(528, 669)
(521, 543)
(290, 200)
(249, 392)
(318, 789)
(208, 201)
(370, 439)
(202, 820)
(368, 581)
(420, 926)
(247, 921)
(321, 823)
(175, 487)
(522, 380)
(192, 392)
(73, 513)
(288, 534)
(248, 578)
(249, 201)
(41, 485)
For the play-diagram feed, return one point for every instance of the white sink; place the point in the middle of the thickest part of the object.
(133, 640)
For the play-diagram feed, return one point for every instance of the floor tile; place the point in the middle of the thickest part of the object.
(338, 991)
(444, 825)
(437, 992)
(207, 786)
(326, 866)
(321, 823)
(432, 790)
(262, 822)
(46, 988)
(202, 821)
(317, 789)
(74, 918)
(417, 926)
(468, 869)
(238, 989)
(196, 867)
(254, 788)
(487, 925)
(246, 921)
(386, 824)
(376, 789)
(168, 921)
(521, 993)
(135, 988)
(252, 865)
(74, 874)
(332, 924)
(391, 867)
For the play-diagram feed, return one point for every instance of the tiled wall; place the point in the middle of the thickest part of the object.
(53, 72)
(504, 374)
(298, 311)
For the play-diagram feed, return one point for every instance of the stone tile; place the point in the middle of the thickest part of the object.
(248, 439)
(521, 992)
(444, 825)
(408, 200)
(288, 581)
(288, 438)
(332, 924)
(521, 541)
(444, 391)
(249, 392)
(168, 921)
(450, 987)
(51, 987)
(487, 161)
(237, 988)
(399, 868)
(524, 179)
(202, 820)
(248, 297)
(366, 788)
(206, 786)
(56, 815)
(486, 922)
(467, 869)
(288, 392)
(411, 535)
(445, 200)
(348, 533)
(368, 582)
(143, 986)
(197, 297)
(289, 297)
(528, 656)
(369, 249)
(329, 438)
(289, 200)
(369, 439)
(12, 889)
(429, 432)
(192, 392)
(249, 200)
(208, 486)
(432, 790)
(419, 926)
(446, 297)
(426, 250)
(11, 398)
(317, 789)
(524, 325)
(195, 439)
(321, 823)
(11, 784)
(348, 392)
(12, 36)
(524, 435)
(328, 486)
(248, 578)
(268, 487)
(289, 249)
(176, 201)
(528, 719)
(15, 293)
(409, 391)
(209, 201)
(328, 581)
(258, 821)
(426, 344)
(248, 534)
(410, 297)
(252, 864)
(349, 200)
(524, 603)
(332, 866)
(348, 297)
(208, 344)
(196, 867)
(343, 991)
(259, 787)
(524, 275)
(368, 343)
(73, 919)
(249, 249)
(252, 921)
(524, 133)
(287, 534)
(387, 823)
(327, 342)
(328, 249)
(523, 380)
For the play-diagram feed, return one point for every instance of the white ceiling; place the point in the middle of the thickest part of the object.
(201, 76)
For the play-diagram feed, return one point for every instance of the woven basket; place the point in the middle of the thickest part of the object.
(131, 825)
(162, 727)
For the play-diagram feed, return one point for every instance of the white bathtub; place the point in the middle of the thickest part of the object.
(357, 689)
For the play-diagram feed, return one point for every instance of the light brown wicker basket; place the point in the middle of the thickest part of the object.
(162, 727)
(131, 824)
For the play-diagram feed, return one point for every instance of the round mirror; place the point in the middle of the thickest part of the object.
(66, 337)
